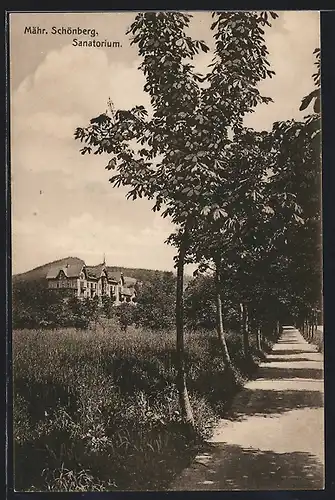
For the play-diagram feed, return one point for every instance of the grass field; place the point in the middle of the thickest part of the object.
(97, 410)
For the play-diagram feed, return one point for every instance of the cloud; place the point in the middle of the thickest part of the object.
(69, 87)
(78, 78)
(48, 124)
(72, 78)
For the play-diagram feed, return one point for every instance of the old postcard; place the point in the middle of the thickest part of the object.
(167, 316)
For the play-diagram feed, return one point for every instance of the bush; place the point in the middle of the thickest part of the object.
(125, 313)
(200, 306)
(34, 306)
(156, 303)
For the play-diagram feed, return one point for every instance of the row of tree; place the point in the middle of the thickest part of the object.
(245, 204)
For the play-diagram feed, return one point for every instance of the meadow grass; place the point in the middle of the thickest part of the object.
(97, 410)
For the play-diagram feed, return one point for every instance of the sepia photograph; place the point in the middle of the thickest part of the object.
(166, 250)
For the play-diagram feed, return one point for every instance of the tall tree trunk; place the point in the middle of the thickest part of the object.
(184, 402)
(219, 318)
(258, 337)
(314, 324)
(245, 329)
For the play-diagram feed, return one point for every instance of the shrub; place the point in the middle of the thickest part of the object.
(125, 314)
(34, 305)
(156, 302)
(200, 306)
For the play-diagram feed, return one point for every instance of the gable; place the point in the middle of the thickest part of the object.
(70, 270)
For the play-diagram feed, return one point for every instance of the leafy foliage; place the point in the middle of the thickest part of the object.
(125, 313)
(181, 156)
(183, 143)
(34, 305)
(200, 305)
(296, 148)
(155, 307)
(315, 94)
(231, 192)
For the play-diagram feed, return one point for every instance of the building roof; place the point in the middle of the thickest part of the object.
(113, 275)
(94, 272)
(117, 275)
(71, 269)
(129, 282)
(129, 292)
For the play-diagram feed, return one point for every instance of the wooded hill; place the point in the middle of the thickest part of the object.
(39, 273)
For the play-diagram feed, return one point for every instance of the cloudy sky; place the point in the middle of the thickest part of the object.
(62, 202)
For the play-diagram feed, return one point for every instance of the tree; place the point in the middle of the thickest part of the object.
(315, 94)
(162, 170)
(156, 302)
(241, 226)
(296, 150)
(34, 305)
(183, 143)
(125, 314)
(239, 65)
(200, 306)
(108, 307)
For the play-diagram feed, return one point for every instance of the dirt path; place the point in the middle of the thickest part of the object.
(273, 436)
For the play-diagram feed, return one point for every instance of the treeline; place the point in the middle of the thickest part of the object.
(35, 306)
(141, 275)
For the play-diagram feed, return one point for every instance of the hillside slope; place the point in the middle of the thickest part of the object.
(145, 275)
(39, 273)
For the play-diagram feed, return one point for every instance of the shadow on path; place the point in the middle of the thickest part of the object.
(285, 359)
(288, 352)
(231, 467)
(273, 372)
(272, 436)
(267, 402)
